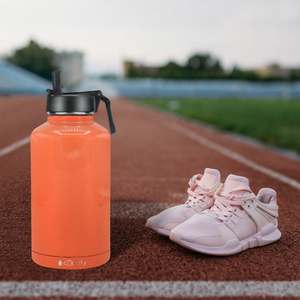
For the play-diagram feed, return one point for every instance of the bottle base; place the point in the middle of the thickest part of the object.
(70, 263)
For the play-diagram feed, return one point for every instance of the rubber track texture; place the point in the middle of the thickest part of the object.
(151, 163)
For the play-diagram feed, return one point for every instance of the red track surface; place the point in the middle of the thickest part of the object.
(150, 163)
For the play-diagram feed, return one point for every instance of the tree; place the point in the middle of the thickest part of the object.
(35, 58)
(198, 66)
(203, 62)
(170, 71)
(239, 74)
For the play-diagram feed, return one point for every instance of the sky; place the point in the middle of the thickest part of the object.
(248, 33)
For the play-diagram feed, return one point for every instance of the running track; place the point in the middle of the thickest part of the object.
(153, 157)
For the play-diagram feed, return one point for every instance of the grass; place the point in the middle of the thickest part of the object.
(276, 123)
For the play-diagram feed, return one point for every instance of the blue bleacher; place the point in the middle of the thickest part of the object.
(15, 80)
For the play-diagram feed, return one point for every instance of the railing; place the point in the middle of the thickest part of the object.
(234, 89)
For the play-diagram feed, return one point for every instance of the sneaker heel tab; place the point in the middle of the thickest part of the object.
(267, 196)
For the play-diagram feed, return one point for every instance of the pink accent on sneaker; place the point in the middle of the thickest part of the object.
(233, 181)
(201, 192)
(198, 195)
(237, 221)
(227, 204)
(210, 178)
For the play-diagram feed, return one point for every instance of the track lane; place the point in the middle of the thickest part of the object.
(143, 152)
(261, 155)
(19, 115)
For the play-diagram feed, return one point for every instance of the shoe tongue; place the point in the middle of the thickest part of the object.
(209, 179)
(234, 181)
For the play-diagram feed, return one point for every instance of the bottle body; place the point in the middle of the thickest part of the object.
(70, 185)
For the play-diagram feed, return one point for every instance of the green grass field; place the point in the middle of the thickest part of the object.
(276, 123)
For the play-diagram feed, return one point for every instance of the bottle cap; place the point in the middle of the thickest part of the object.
(78, 103)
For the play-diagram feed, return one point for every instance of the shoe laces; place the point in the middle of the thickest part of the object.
(195, 198)
(228, 204)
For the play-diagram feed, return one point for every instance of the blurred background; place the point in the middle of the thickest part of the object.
(234, 64)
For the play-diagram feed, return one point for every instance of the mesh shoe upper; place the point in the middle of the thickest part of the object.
(200, 198)
(235, 214)
(176, 214)
(199, 225)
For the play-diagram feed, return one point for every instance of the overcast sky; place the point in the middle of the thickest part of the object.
(248, 33)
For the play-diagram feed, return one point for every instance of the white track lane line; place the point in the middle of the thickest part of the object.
(157, 288)
(234, 155)
(182, 289)
(14, 146)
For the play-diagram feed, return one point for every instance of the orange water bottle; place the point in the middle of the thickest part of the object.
(70, 182)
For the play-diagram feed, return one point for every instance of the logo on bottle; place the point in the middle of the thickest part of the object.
(70, 262)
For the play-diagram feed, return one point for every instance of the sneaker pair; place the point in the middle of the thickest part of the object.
(220, 219)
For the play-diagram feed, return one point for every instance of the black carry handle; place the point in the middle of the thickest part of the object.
(109, 114)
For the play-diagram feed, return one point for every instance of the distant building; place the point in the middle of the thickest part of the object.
(130, 67)
(71, 67)
(274, 71)
(127, 66)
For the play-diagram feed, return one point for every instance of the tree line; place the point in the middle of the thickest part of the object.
(35, 58)
(41, 60)
(203, 66)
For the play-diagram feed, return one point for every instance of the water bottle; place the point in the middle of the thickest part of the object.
(70, 182)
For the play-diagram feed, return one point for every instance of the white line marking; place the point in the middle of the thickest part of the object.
(183, 289)
(14, 146)
(234, 155)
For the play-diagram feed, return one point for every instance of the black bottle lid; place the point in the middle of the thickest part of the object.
(78, 103)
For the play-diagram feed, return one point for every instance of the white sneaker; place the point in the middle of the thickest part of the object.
(201, 192)
(238, 220)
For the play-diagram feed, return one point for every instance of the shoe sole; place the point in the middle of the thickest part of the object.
(267, 235)
(151, 225)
